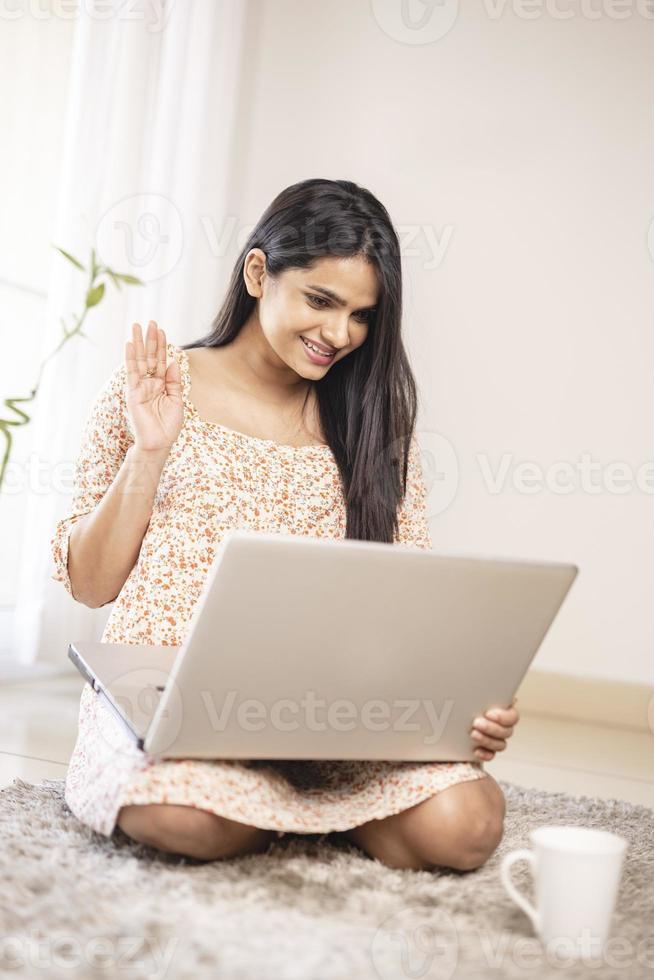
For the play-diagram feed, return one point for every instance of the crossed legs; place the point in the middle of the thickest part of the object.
(187, 830)
(459, 827)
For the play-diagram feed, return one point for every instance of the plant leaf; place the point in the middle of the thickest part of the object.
(114, 278)
(71, 258)
(132, 280)
(94, 295)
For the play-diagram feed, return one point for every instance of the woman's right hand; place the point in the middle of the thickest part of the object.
(155, 403)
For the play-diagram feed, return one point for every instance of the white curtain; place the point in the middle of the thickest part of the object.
(151, 116)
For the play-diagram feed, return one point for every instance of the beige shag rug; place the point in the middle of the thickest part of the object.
(74, 904)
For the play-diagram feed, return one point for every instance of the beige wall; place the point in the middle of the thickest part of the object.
(526, 148)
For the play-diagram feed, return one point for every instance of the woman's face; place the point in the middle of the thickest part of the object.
(330, 306)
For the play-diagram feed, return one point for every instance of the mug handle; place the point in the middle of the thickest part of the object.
(522, 854)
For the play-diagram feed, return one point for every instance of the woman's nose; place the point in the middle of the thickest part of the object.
(338, 333)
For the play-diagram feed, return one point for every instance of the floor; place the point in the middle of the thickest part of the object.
(38, 727)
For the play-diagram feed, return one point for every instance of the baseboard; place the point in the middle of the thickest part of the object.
(12, 672)
(588, 699)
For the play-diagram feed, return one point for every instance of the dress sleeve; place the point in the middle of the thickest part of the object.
(107, 435)
(413, 528)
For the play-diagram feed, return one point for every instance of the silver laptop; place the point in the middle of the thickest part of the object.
(309, 648)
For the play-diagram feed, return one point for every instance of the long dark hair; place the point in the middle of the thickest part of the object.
(367, 401)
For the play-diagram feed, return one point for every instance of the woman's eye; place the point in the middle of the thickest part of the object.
(364, 317)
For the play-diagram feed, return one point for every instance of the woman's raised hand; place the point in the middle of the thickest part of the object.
(155, 403)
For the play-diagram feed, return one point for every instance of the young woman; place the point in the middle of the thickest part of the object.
(295, 413)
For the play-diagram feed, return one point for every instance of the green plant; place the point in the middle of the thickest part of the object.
(98, 275)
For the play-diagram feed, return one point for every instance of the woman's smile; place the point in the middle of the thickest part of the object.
(314, 355)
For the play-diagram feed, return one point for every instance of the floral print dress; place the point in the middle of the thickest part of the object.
(214, 479)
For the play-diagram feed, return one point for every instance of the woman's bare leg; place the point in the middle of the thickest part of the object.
(190, 831)
(459, 827)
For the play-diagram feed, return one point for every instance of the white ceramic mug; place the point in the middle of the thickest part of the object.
(577, 873)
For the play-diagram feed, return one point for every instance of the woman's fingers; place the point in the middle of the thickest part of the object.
(492, 728)
(503, 716)
(491, 731)
(149, 354)
(161, 353)
(130, 365)
(139, 349)
(151, 347)
(173, 380)
(485, 741)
